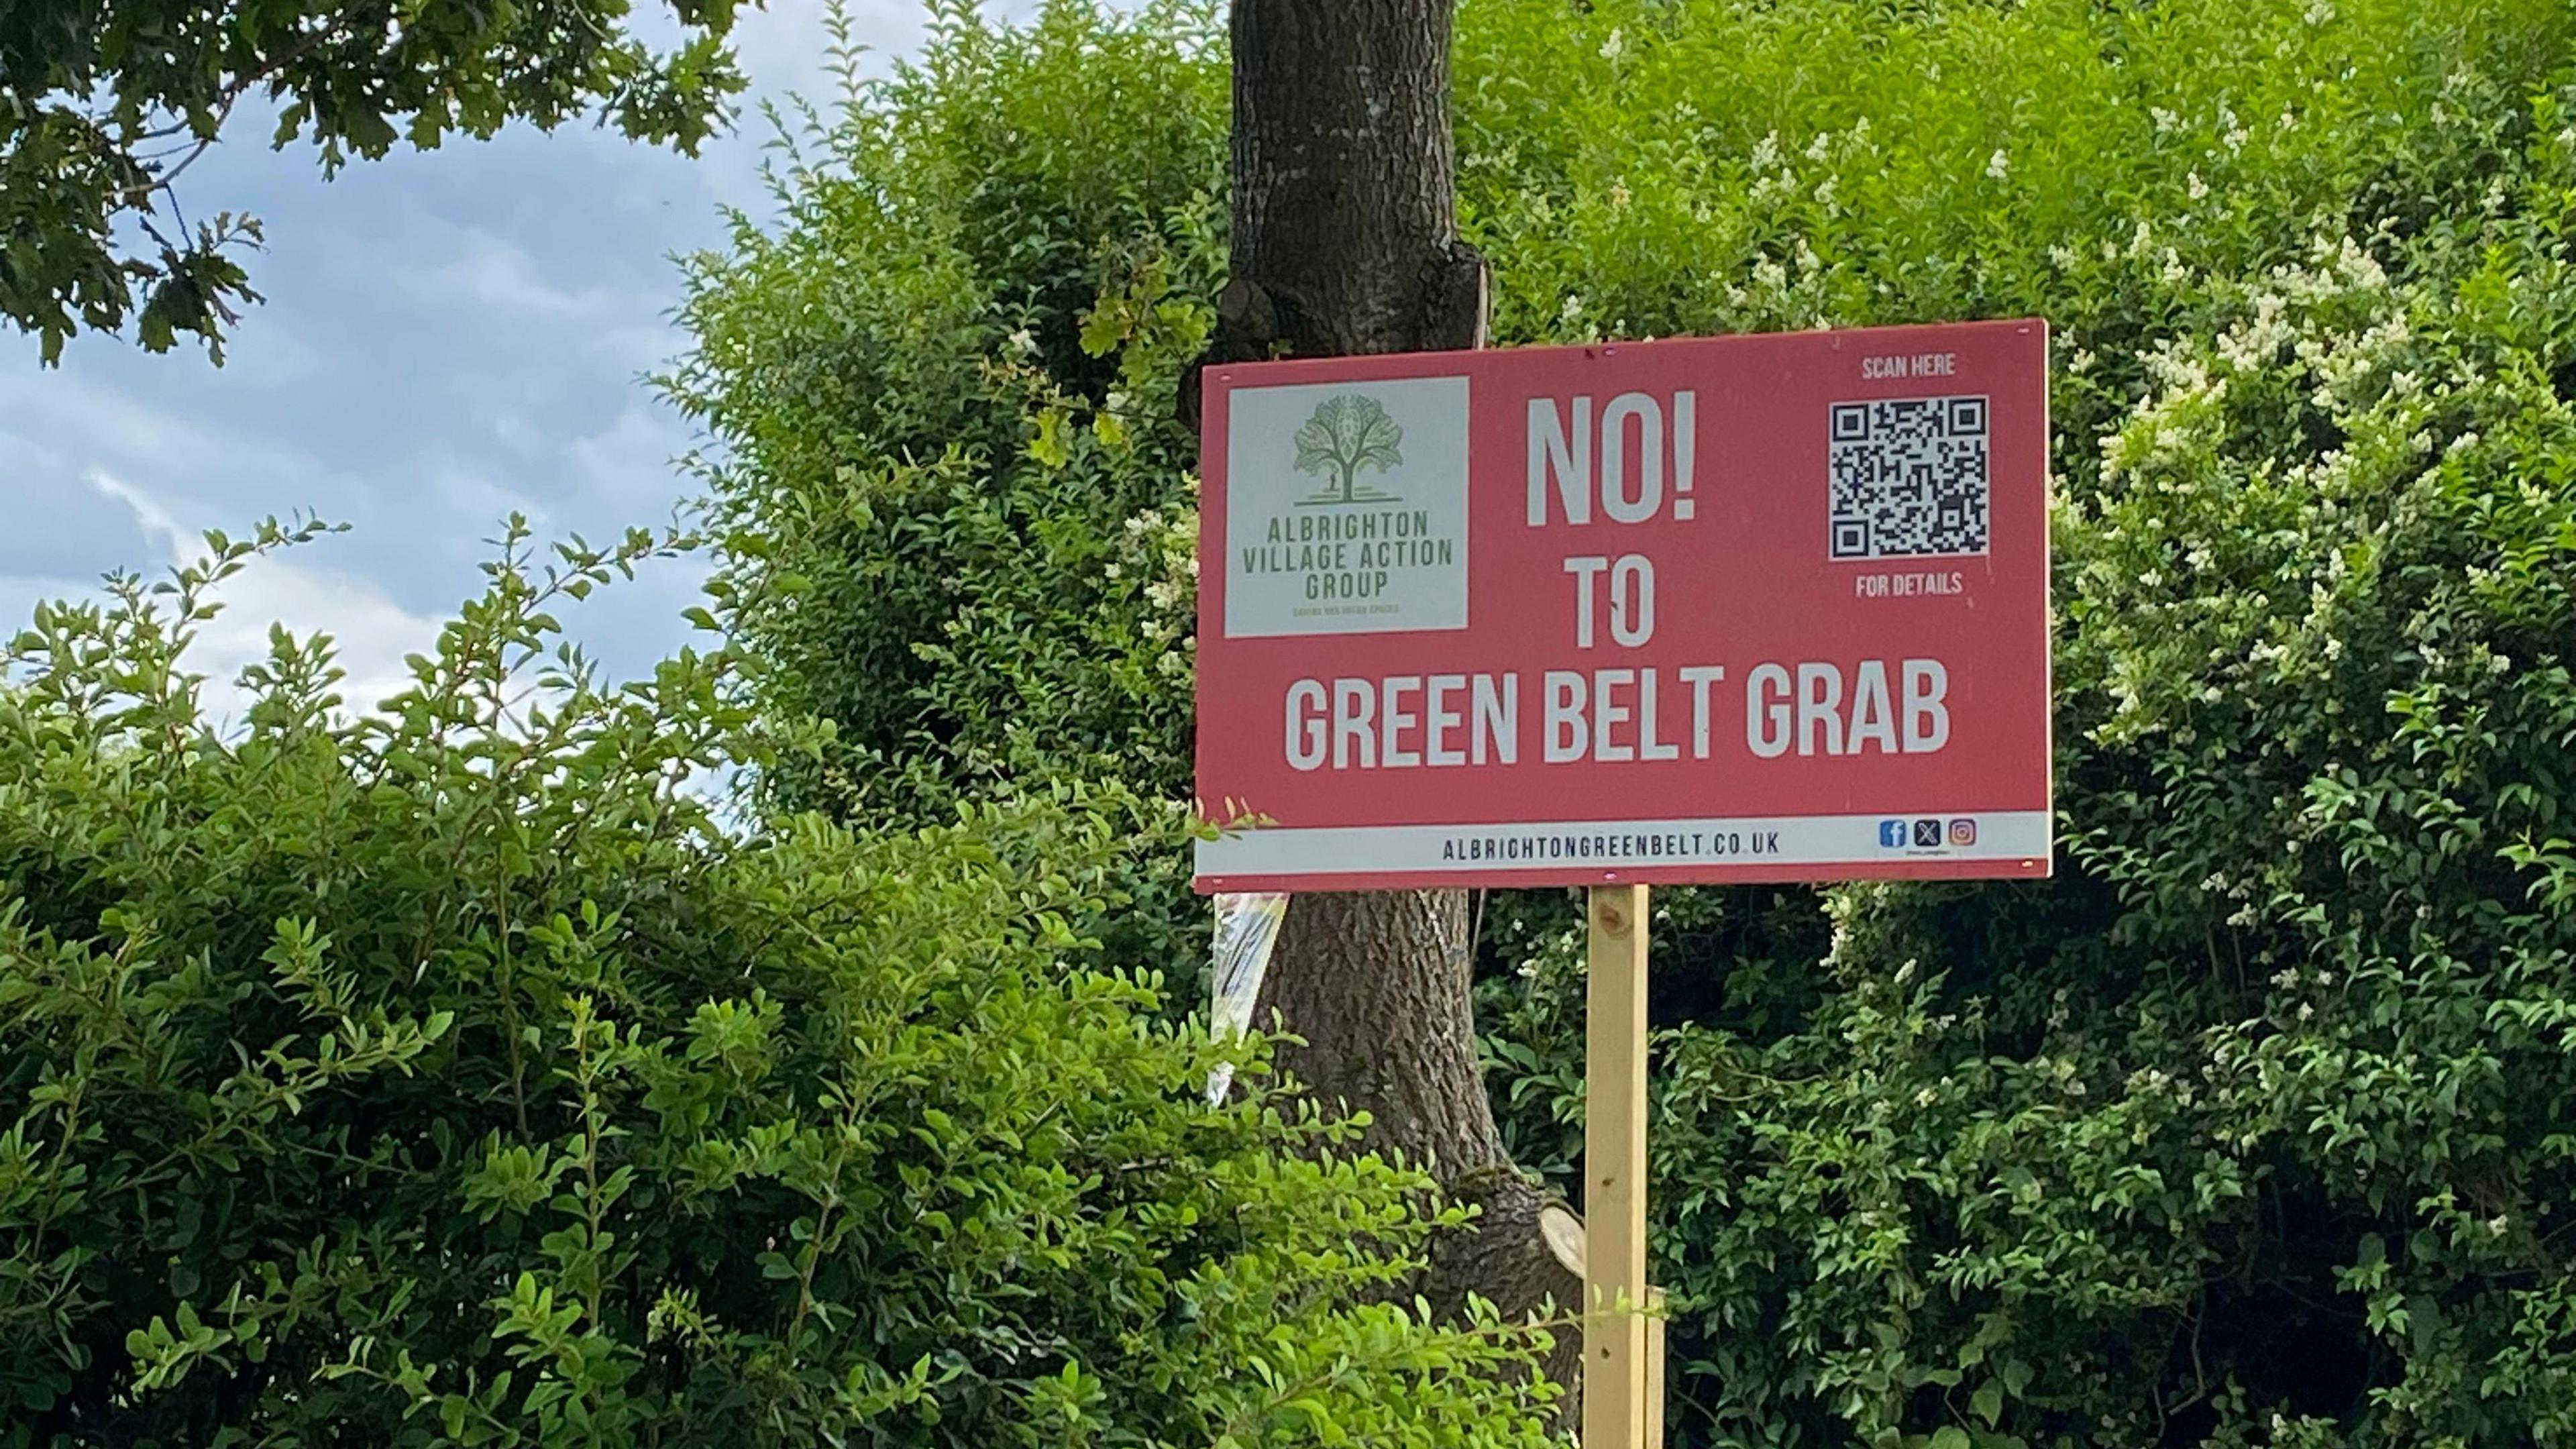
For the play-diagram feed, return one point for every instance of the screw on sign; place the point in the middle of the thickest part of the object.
(1694, 611)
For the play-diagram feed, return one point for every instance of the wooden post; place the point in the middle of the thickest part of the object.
(1615, 1414)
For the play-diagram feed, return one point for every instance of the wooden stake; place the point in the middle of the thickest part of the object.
(1615, 1412)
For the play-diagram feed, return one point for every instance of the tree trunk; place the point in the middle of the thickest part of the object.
(1377, 985)
(1345, 241)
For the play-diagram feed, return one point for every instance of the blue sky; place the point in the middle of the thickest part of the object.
(447, 337)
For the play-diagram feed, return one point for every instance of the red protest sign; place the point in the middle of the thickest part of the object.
(1730, 609)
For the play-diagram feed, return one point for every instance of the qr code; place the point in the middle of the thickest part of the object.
(1909, 477)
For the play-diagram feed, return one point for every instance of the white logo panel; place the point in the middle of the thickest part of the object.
(1346, 508)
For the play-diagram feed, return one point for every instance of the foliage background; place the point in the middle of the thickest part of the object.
(2249, 1128)
(453, 1077)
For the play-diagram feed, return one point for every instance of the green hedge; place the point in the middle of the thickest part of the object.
(455, 1078)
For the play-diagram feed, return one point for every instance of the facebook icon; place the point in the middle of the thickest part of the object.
(1891, 834)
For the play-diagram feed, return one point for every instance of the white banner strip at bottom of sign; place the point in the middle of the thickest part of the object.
(1612, 844)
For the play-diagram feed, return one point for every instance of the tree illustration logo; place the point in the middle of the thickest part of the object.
(1349, 432)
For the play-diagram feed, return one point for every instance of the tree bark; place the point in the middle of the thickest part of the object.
(1345, 242)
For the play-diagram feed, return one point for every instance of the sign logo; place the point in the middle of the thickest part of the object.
(1963, 832)
(1891, 835)
(1349, 431)
(1927, 833)
(1345, 507)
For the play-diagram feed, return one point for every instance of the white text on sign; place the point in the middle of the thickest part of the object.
(1613, 716)
(1624, 462)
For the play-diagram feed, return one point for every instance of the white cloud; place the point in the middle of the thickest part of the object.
(630, 459)
(448, 338)
(296, 588)
(48, 420)
(627, 327)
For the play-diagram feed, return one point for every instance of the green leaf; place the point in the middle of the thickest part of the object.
(1988, 1402)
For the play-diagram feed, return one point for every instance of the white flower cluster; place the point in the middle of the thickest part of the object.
(2345, 365)
(2256, 342)
(1162, 549)
(2177, 419)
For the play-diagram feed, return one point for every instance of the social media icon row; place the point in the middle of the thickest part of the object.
(1926, 834)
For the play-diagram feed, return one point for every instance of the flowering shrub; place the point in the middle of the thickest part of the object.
(2247, 1128)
